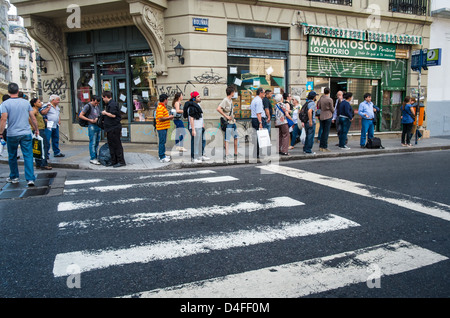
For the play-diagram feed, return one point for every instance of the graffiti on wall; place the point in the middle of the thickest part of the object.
(56, 86)
(171, 90)
(209, 78)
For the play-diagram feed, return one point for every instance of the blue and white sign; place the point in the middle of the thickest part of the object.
(200, 22)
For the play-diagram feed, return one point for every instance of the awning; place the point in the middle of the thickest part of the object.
(362, 35)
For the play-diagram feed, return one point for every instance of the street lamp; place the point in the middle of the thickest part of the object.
(41, 63)
(179, 50)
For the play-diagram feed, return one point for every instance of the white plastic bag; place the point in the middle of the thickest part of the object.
(303, 135)
(38, 147)
(263, 138)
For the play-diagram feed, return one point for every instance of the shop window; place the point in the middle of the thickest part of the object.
(247, 74)
(143, 88)
(84, 84)
(258, 32)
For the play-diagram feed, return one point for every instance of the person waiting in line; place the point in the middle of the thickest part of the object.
(325, 105)
(346, 114)
(194, 112)
(408, 116)
(225, 108)
(177, 112)
(52, 116)
(90, 113)
(296, 131)
(36, 104)
(162, 127)
(413, 131)
(281, 115)
(113, 129)
(268, 109)
(310, 124)
(367, 113)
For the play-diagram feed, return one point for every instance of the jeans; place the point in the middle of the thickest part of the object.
(231, 132)
(344, 127)
(53, 135)
(296, 131)
(309, 141)
(43, 162)
(197, 142)
(268, 126)
(366, 126)
(326, 125)
(406, 133)
(179, 132)
(26, 145)
(95, 133)
(162, 136)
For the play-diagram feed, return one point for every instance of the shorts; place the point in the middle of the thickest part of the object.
(231, 131)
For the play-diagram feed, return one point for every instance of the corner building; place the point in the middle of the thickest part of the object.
(128, 47)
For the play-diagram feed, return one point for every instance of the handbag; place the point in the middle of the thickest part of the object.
(224, 122)
(100, 121)
(289, 121)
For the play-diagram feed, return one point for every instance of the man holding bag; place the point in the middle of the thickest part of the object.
(41, 162)
(18, 111)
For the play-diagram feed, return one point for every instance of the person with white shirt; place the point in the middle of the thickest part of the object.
(51, 111)
(258, 116)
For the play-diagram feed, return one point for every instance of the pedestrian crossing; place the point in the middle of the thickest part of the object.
(294, 279)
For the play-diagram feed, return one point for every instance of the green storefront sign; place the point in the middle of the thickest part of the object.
(347, 48)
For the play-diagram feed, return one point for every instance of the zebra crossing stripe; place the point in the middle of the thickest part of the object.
(142, 219)
(99, 259)
(70, 206)
(177, 174)
(309, 277)
(435, 209)
(163, 183)
(78, 182)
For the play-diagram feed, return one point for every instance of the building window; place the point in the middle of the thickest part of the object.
(417, 7)
(343, 2)
(143, 88)
(84, 83)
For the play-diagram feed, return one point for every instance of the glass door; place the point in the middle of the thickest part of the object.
(117, 85)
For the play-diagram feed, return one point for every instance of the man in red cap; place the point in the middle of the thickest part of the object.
(196, 127)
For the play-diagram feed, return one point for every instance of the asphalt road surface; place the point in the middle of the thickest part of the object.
(363, 227)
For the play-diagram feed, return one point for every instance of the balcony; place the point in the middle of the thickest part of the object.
(417, 7)
(342, 2)
(22, 66)
(22, 55)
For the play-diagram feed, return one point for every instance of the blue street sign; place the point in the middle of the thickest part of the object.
(425, 58)
(434, 57)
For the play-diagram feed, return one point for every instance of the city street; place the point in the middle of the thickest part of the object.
(363, 227)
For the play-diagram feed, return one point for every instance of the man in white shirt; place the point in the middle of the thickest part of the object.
(258, 116)
(52, 112)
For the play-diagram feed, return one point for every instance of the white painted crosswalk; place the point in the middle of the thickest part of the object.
(308, 277)
(297, 279)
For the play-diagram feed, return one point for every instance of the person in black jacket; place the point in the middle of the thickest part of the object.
(194, 113)
(113, 130)
(345, 119)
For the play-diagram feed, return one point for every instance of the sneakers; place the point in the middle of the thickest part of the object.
(309, 153)
(60, 155)
(181, 149)
(30, 183)
(199, 160)
(204, 158)
(13, 180)
(344, 148)
(164, 160)
(95, 162)
(324, 150)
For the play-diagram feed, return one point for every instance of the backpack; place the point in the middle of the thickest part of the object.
(100, 121)
(82, 122)
(374, 143)
(303, 114)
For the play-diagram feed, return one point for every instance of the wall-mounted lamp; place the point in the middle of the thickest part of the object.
(41, 63)
(179, 50)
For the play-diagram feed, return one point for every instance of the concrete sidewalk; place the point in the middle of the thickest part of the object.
(145, 156)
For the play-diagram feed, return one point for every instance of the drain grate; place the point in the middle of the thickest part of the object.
(45, 184)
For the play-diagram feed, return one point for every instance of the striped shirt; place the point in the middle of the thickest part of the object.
(161, 111)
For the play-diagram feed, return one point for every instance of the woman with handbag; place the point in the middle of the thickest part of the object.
(281, 121)
(408, 115)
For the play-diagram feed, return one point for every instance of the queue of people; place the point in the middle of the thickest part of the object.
(292, 119)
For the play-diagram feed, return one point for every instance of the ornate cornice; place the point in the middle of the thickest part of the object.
(99, 21)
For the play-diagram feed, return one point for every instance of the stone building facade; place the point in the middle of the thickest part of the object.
(128, 47)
